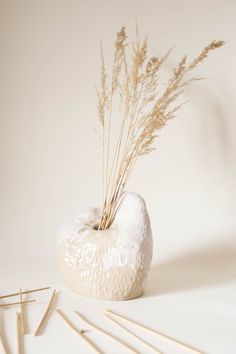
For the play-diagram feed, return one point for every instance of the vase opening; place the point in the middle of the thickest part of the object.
(96, 227)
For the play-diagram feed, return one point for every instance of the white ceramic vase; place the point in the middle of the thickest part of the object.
(108, 264)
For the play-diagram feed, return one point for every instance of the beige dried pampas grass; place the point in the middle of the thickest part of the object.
(145, 108)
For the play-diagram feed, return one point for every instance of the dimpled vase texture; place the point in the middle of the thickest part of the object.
(107, 264)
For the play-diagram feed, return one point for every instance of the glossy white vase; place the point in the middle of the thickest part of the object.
(109, 264)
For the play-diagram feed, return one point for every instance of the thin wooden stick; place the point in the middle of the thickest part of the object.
(3, 345)
(102, 331)
(17, 303)
(24, 292)
(44, 318)
(79, 332)
(19, 334)
(132, 334)
(22, 314)
(159, 334)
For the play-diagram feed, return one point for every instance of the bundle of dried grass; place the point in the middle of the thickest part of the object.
(144, 110)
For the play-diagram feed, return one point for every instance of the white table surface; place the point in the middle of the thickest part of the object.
(189, 297)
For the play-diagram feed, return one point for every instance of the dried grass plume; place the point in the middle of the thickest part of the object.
(144, 109)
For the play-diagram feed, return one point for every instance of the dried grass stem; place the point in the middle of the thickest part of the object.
(145, 109)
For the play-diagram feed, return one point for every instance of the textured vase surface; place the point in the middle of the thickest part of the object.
(108, 264)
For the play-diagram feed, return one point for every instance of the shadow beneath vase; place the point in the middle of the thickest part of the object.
(199, 268)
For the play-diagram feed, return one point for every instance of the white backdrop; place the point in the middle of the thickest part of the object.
(49, 157)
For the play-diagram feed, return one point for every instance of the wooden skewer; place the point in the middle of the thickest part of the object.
(24, 292)
(132, 334)
(159, 334)
(17, 303)
(70, 324)
(102, 331)
(22, 314)
(79, 332)
(3, 345)
(44, 318)
(19, 335)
